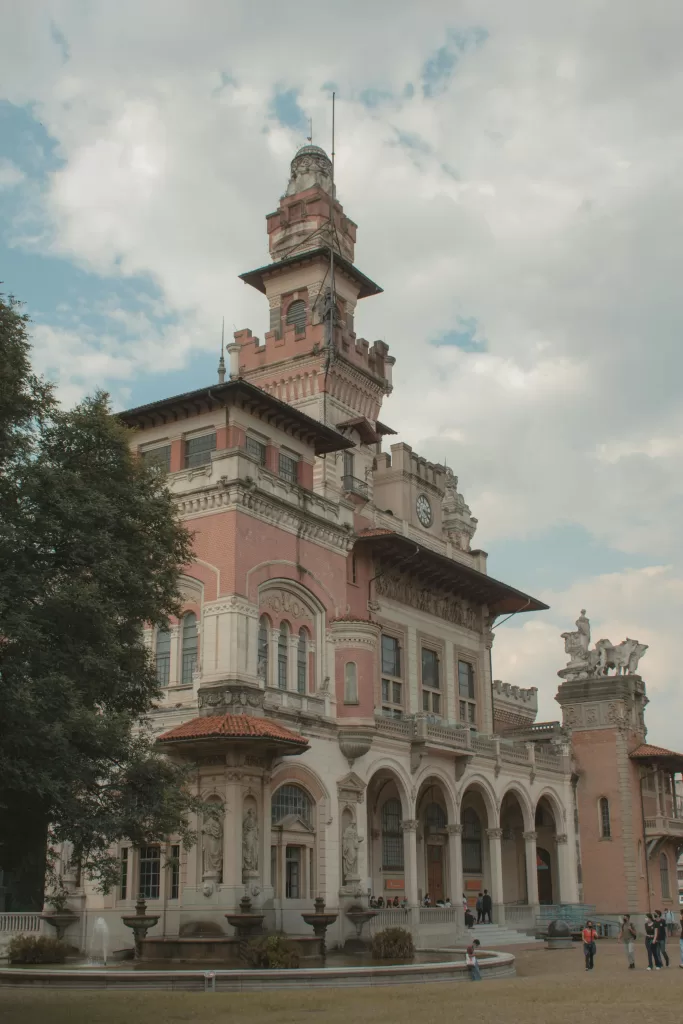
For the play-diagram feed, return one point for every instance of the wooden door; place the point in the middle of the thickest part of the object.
(435, 872)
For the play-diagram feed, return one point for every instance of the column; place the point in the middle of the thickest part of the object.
(531, 871)
(409, 829)
(173, 668)
(496, 860)
(273, 654)
(565, 889)
(267, 882)
(232, 888)
(455, 882)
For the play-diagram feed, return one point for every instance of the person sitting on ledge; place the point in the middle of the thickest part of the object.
(471, 960)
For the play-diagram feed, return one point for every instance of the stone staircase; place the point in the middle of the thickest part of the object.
(492, 936)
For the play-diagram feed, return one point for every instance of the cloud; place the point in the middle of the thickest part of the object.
(10, 174)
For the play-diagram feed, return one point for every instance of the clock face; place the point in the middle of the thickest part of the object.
(424, 510)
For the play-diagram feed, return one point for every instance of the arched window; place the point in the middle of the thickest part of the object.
(263, 640)
(282, 655)
(664, 876)
(605, 824)
(350, 683)
(435, 817)
(162, 656)
(291, 800)
(296, 314)
(471, 842)
(302, 661)
(189, 661)
(392, 837)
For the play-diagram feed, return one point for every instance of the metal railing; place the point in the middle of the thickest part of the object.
(352, 485)
(18, 924)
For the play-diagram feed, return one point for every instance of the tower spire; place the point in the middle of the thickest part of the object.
(221, 361)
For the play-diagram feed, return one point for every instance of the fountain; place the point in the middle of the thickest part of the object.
(140, 923)
(247, 923)
(100, 941)
(358, 916)
(320, 922)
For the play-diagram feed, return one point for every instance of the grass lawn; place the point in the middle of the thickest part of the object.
(551, 987)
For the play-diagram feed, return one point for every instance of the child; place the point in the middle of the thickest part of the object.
(471, 960)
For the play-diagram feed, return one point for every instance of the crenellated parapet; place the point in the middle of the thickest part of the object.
(514, 707)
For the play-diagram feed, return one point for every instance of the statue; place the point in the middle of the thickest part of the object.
(350, 844)
(458, 522)
(584, 631)
(586, 664)
(250, 841)
(212, 846)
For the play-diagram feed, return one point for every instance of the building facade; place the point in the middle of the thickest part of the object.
(330, 675)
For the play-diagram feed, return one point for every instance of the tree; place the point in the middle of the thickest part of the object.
(91, 551)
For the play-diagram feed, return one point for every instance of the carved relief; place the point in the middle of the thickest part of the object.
(250, 835)
(283, 603)
(400, 587)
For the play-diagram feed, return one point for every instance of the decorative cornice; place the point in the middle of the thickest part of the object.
(454, 830)
(494, 833)
(530, 837)
(409, 826)
(358, 633)
(230, 603)
(561, 838)
(398, 586)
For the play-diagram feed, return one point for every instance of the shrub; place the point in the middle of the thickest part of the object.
(393, 944)
(36, 949)
(273, 952)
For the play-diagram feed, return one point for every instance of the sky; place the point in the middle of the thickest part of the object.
(515, 171)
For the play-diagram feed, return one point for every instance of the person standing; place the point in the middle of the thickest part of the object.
(660, 934)
(589, 935)
(670, 922)
(471, 960)
(486, 906)
(479, 907)
(680, 940)
(628, 937)
(651, 944)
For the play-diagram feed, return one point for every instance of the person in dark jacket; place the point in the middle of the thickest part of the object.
(651, 944)
(479, 907)
(660, 935)
(486, 907)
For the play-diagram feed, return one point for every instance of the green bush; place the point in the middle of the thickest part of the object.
(36, 949)
(273, 952)
(393, 944)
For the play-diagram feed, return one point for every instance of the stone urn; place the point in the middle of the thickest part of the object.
(320, 922)
(60, 920)
(247, 922)
(559, 936)
(358, 915)
(140, 923)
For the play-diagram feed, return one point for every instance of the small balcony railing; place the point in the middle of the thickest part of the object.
(352, 485)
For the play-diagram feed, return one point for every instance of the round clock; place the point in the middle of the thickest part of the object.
(424, 510)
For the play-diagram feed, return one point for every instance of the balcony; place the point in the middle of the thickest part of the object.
(660, 827)
(352, 485)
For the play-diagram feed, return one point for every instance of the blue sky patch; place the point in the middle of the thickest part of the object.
(285, 107)
(438, 70)
(464, 336)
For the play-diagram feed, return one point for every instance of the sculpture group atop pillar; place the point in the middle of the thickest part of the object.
(583, 663)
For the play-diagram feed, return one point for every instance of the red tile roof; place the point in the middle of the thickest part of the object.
(233, 726)
(648, 750)
(376, 531)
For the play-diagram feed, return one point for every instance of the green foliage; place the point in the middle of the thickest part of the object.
(393, 944)
(36, 949)
(91, 551)
(273, 952)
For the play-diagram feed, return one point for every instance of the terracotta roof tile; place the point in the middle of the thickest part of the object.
(237, 726)
(648, 750)
(376, 531)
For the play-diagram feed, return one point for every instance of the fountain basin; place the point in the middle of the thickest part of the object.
(219, 951)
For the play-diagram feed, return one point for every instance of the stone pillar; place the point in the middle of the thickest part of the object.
(409, 829)
(455, 881)
(267, 883)
(232, 888)
(531, 871)
(496, 861)
(273, 653)
(292, 663)
(564, 871)
(175, 661)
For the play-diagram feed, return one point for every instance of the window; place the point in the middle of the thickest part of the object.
(392, 837)
(290, 800)
(282, 656)
(605, 824)
(471, 842)
(124, 873)
(348, 464)
(263, 639)
(435, 817)
(257, 450)
(150, 871)
(467, 704)
(296, 314)
(158, 457)
(350, 683)
(354, 569)
(302, 661)
(431, 698)
(162, 656)
(392, 679)
(289, 468)
(175, 873)
(293, 872)
(189, 662)
(664, 876)
(198, 450)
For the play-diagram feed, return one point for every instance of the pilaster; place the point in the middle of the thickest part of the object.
(496, 860)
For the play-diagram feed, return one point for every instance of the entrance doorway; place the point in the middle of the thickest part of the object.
(545, 878)
(435, 872)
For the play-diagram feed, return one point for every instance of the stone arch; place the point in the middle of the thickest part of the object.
(284, 600)
(436, 773)
(525, 803)
(435, 810)
(393, 768)
(283, 569)
(302, 775)
(481, 784)
(556, 806)
(549, 881)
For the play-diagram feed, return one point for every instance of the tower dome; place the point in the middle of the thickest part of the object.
(310, 166)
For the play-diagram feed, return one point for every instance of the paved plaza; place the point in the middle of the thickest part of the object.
(551, 987)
